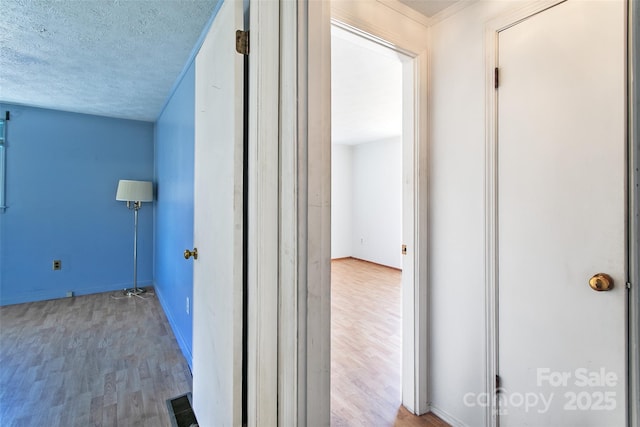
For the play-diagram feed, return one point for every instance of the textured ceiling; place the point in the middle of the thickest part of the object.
(117, 58)
(120, 58)
(366, 90)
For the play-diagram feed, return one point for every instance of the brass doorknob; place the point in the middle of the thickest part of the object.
(188, 254)
(601, 282)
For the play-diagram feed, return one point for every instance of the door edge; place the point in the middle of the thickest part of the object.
(633, 94)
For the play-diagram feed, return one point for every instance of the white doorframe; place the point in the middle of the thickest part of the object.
(308, 158)
(297, 103)
(295, 287)
(381, 24)
(263, 214)
(288, 402)
(493, 27)
(290, 142)
(634, 211)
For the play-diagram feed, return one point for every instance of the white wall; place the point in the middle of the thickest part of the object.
(366, 210)
(456, 213)
(341, 201)
(377, 202)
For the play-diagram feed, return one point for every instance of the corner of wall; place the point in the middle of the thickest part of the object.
(177, 332)
(447, 417)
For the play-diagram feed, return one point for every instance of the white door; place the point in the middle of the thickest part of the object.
(218, 227)
(561, 216)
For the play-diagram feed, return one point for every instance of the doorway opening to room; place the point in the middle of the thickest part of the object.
(372, 212)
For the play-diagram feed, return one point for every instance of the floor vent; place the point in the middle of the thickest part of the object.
(181, 412)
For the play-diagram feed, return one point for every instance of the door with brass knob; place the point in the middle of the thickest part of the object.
(601, 282)
(218, 202)
(188, 254)
(560, 218)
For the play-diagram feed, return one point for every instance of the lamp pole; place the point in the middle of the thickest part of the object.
(135, 290)
(134, 193)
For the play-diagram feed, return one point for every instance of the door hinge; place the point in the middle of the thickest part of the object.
(496, 78)
(404, 249)
(242, 42)
(498, 384)
(628, 285)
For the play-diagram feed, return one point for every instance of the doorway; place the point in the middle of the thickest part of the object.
(366, 236)
(305, 191)
(373, 214)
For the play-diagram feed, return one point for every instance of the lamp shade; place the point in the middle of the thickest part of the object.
(134, 191)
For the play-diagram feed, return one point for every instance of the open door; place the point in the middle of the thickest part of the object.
(218, 223)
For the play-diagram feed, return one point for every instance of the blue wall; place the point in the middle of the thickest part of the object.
(174, 139)
(62, 174)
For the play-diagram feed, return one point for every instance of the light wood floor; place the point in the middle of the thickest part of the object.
(366, 347)
(97, 361)
(88, 361)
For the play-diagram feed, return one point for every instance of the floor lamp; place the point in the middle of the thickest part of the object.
(134, 193)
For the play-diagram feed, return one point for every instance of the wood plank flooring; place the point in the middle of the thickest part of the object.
(89, 361)
(366, 351)
(97, 361)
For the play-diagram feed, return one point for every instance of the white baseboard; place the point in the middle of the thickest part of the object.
(447, 417)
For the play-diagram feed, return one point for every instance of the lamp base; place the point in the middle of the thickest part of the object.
(131, 292)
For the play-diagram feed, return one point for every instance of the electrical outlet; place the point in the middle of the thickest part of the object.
(57, 264)
(187, 305)
(69, 294)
